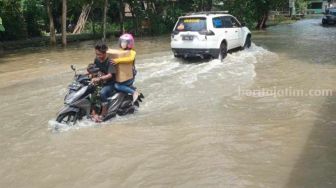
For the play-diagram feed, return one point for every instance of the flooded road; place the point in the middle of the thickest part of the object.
(202, 124)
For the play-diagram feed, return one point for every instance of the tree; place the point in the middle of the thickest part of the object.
(13, 20)
(121, 15)
(202, 5)
(263, 7)
(64, 18)
(51, 23)
(2, 28)
(33, 13)
(301, 6)
(253, 12)
(135, 10)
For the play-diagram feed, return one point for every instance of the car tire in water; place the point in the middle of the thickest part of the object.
(222, 51)
(247, 43)
(69, 118)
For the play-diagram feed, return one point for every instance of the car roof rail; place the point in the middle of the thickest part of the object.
(208, 12)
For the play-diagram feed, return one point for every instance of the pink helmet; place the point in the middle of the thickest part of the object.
(128, 38)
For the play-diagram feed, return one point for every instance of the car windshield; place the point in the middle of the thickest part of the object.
(191, 24)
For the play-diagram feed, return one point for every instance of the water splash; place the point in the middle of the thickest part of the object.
(167, 81)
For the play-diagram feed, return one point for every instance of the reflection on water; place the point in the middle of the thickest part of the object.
(194, 128)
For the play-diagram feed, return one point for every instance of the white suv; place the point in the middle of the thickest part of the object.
(207, 34)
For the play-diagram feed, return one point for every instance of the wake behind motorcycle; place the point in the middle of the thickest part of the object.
(83, 97)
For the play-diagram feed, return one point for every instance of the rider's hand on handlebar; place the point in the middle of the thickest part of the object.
(96, 80)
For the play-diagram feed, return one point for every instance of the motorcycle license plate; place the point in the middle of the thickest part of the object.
(187, 37)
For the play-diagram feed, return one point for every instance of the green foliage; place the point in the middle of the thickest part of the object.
(244, 10)
(34, 14)
(2, 28)
(13, 20)
(28, 18)
(110, 27)
(301, 6)
(252, 11)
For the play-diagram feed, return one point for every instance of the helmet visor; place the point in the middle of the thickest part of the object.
(123, 43)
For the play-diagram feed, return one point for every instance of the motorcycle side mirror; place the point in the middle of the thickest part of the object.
(73, 67)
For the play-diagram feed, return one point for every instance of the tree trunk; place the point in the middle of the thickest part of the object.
(134, 17)
(152, 5)
(262, 21)
(265, 20)
(64, 14)
(104, 20)
(82, 19)
(121, 15)
(51, 24)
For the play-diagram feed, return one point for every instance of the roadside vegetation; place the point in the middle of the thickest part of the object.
(61, 21)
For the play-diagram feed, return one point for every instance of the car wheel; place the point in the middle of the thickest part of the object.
(248, 42)
(222, 51)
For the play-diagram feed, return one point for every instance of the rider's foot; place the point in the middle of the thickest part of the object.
(99, 119)
(135, 96)
(96, 118)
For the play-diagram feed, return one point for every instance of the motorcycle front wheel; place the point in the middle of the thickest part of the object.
(69, 118)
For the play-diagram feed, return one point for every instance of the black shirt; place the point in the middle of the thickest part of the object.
(106, 67)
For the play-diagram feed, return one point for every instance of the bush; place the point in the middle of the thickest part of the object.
(33, 13)
(13, 20)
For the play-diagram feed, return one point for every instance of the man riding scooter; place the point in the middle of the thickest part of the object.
(107, 68)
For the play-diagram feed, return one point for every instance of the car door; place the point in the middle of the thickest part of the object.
(238, 32)
(224, 30)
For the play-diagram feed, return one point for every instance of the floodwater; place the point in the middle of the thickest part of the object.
(240, 123)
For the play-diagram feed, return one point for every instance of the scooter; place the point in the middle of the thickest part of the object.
(83, 97)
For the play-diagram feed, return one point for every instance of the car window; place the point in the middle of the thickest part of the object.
(222, 22)
(235, 23)
(217, 22)
(333, 13)
(191, 24)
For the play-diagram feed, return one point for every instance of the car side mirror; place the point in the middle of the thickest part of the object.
(243, 24)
